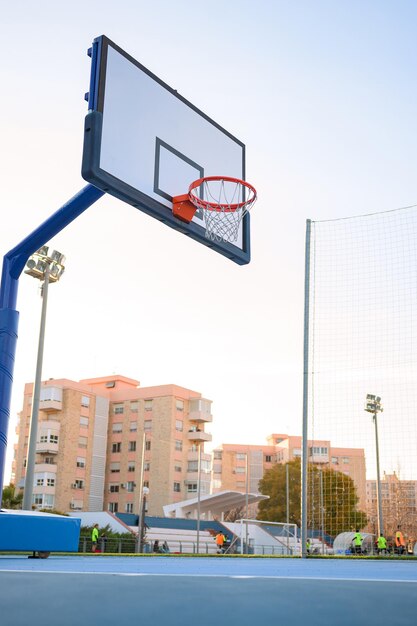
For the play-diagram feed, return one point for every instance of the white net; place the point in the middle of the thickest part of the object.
(224, 204)
(363, 340)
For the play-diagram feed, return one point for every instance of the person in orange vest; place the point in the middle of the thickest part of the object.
(220, 539)
(399, 541)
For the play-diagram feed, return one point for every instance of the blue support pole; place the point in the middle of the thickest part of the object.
(13, 264)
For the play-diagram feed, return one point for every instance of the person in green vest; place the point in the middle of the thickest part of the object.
(308, 546)
(381, 544)
(94, 538)
(357, 542)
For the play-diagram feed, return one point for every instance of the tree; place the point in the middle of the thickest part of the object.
(332, 498)
(11, 500)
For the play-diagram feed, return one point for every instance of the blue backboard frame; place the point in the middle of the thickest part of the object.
(97, 176)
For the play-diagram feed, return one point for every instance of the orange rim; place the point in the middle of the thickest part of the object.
(217, 206)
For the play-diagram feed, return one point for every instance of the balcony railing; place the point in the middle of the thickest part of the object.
(47, 446)
(198, 436)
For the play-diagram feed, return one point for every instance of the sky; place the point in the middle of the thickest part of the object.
(323, 95)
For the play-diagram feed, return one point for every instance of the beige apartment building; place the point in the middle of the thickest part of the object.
(238, 466)
(399, 505)
(100, 438)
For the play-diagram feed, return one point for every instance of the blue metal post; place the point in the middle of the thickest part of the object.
(13, 264)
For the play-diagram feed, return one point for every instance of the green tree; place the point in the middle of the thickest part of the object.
(11, 500)
(332, 497)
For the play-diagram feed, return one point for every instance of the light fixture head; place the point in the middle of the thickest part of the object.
(43, 251)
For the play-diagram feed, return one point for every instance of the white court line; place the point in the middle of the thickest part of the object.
(237, 576)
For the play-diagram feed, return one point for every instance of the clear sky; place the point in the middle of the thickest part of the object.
(322, 93)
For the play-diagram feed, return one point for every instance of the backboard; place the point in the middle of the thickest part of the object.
(144, 143)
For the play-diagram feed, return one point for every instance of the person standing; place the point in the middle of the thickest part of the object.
(399, 541)
(357, 542)
(381, 544)
(219, 542)
(94, 538)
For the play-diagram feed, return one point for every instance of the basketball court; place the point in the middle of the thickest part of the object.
(173, 590)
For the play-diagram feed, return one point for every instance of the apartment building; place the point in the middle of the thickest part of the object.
(237, 466)
(99, 439)
(399, 505)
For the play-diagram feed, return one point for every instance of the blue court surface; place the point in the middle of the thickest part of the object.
(64, 590)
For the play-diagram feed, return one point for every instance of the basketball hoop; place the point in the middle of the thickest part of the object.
(223, 201)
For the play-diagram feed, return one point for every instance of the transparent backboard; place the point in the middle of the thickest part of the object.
(144, 143)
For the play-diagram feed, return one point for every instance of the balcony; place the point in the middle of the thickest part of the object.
(47, 447)
(50, 406)
(45, 467)
(200, 417)
(200, 411)
(198, 436)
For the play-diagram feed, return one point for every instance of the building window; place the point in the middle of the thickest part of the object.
(48, 501)
(43, 438)
(114, 468)
(116, 447)
(268, 458)
(335, 460)
(240, 456)
(217, 483)
(177, 487)
(78, 484)
(345, 460)
(179, 405)
(146, 466)
(146, 483)
(147, 445)
(118, 409)
(178, 445)
(192, 466)
(37, 499)
(130, 486)
(147, 425)
(129, 507)
(50, 482)
(113, 507)
(53, 438)
(240, 470)
(80, 461)
(134, 406)
(179, 425)
(218, 454)
(295, 452)
(85, 401)
(133, 427)
(49, 460)
(84, 421)
(39, 482)
(132, 446)
(82, 442)
(177, 468)
(114, 488)
(131, 467)
(117, 427)
(148, 405)
(192, 488)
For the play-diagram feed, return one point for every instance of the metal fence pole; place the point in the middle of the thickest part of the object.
(304, 503)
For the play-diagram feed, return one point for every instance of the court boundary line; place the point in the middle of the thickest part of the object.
(235, 576)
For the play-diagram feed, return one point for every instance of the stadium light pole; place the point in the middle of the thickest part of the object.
(373, 405)
(48, 268)
(198, 497)
(246, 497)
(145, 493)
